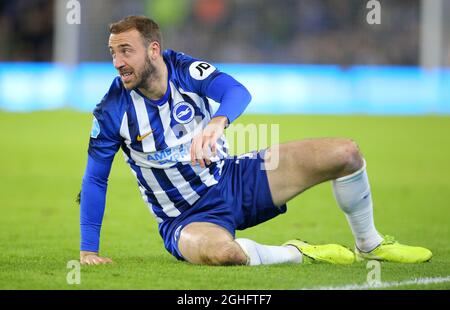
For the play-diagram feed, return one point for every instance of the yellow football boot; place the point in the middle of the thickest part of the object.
(329, 253)
(391, 251)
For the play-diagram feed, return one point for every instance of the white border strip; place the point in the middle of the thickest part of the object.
(365, 286)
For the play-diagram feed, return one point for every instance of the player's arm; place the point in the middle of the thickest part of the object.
(103, 144)
(204, 79)
(233, 98)
(92, 207)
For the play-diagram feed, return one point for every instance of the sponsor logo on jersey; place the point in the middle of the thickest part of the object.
(169, 155)
(95, 131)
(200, 70)
(183, 112)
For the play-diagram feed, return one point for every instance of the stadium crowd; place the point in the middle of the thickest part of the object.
(290, 31)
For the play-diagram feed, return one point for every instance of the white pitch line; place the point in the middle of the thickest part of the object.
(365, 286)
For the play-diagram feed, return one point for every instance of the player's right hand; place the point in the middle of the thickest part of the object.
(92, 258)
(204, 143)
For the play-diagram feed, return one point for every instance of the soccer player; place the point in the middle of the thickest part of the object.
(168, 112)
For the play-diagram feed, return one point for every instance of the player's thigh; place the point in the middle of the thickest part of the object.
(296, 166)
(208, 243)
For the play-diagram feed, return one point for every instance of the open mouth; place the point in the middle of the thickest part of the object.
(126, 76)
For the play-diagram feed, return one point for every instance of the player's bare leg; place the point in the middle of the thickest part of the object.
(305, 163)
(209, 244)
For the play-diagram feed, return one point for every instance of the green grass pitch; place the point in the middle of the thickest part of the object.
(43, 159)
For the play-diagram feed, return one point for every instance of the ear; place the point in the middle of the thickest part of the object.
(154, 50)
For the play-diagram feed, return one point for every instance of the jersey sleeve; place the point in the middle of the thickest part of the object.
(204, 79)
(194, 75)
(92, 203)
(104, 142)
(105, 137)
(232, 96)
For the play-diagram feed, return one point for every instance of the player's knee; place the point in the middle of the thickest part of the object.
(349, 158)
(224, 253)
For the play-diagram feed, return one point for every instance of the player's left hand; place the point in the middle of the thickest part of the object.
(92, 258)
(203, 145)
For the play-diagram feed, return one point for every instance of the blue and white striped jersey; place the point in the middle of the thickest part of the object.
(155, 136)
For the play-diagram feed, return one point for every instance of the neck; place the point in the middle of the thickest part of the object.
(156, 84)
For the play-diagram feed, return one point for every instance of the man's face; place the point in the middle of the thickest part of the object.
(130, 58)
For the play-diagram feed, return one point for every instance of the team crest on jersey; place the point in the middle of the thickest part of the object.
(183, 112)
(95, 131)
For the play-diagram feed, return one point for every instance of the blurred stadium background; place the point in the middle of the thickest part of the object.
(308, 56)
(317, 68)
